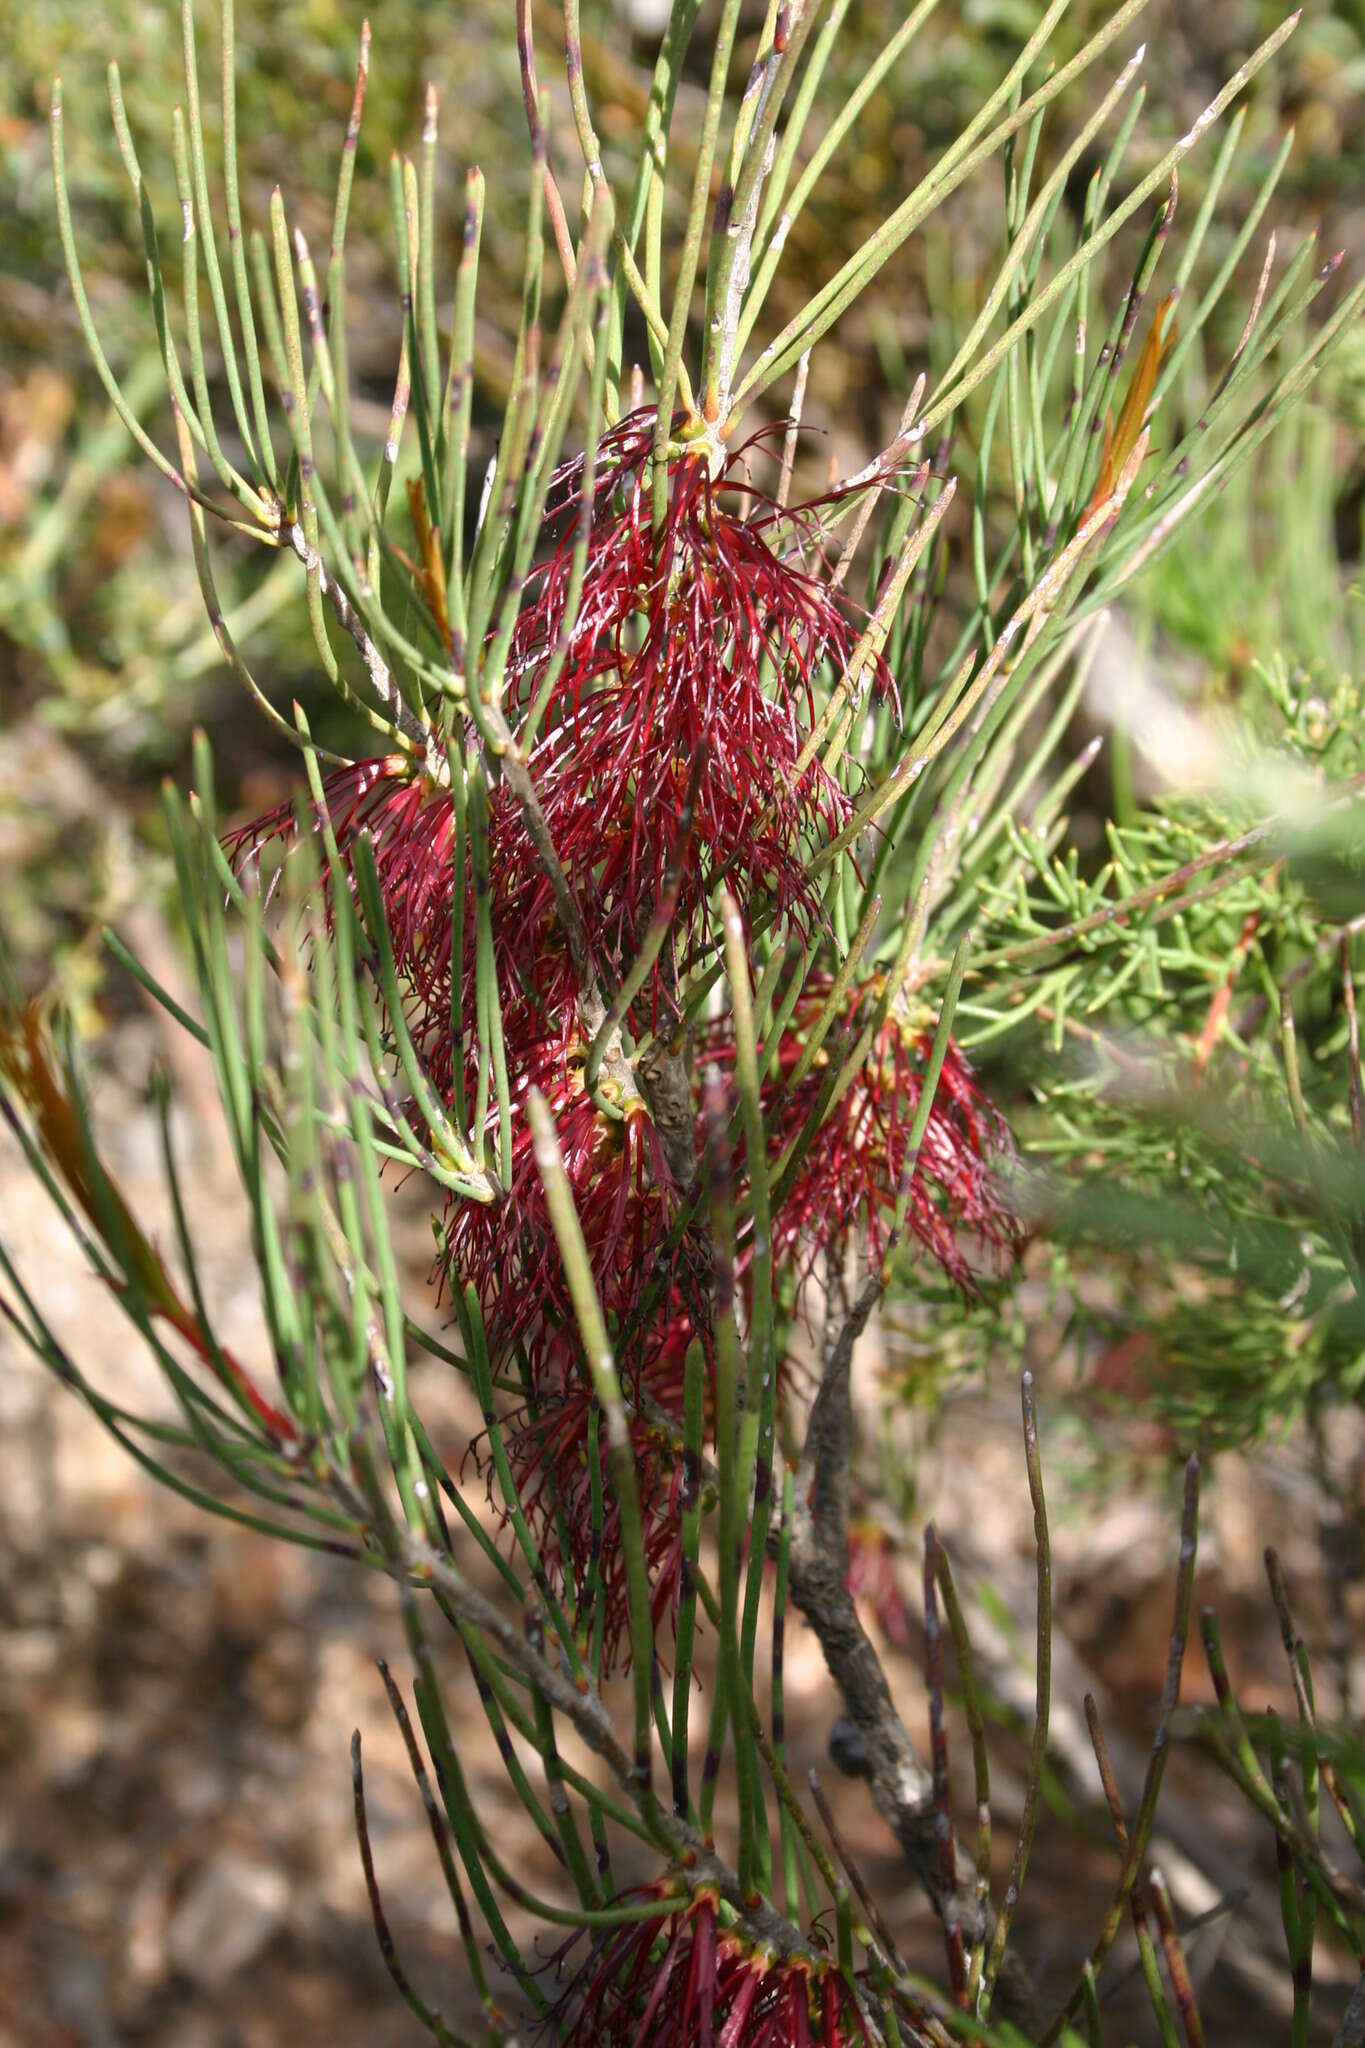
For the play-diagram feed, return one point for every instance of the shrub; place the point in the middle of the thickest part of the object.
(640, 924)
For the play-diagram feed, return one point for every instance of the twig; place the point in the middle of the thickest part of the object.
(1121, 913)
(432, 2021)
(784, 483)
(1042, 1692)
(1176, 1965)
(414, 1563)
(855, 1876)
(902, 1789)
(938, 1745)
(1170, 1694)
(1351, 2032)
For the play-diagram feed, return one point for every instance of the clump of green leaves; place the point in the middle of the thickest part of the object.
(1196, 1077)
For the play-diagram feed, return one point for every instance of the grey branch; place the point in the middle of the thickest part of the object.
(1351, 2032)
(901, 1786)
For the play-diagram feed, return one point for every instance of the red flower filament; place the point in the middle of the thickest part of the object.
(671, 712)
(689, 1981)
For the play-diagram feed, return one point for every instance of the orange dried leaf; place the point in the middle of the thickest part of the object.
(430, 571)
(25, 1060)
(1120, 441)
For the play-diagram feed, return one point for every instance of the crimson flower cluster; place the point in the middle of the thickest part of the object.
(693, 648)
(662, 726)
(687, 1981)
(851, 1172)
(556, 1458)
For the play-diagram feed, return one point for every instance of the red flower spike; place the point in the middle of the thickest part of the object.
(688, 1981)
(666, 757)
(411, 827)
(621, 1185)
(686, 688)
(706, 641)
(551, 1450)
(849, 1176)
(507, 1250)
(851, 1173)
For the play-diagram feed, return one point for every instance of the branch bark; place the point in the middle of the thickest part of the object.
(1351, 2032)
(901, 1785)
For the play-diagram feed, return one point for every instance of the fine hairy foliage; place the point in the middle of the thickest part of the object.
(705, 818)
